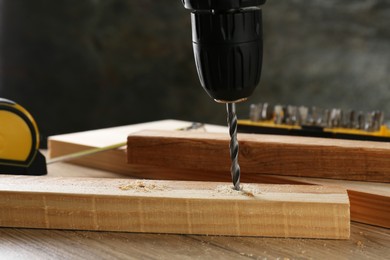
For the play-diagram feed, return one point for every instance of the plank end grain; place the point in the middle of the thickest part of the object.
(179, 207)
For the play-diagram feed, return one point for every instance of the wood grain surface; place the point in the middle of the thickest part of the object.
(176, 207)
(114, 160)
(370, 201)
(263, 154)
(366, 242)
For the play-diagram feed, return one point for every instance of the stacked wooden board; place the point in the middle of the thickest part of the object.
(370, 201)
(313, 211)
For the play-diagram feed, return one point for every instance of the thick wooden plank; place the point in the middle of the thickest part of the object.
(366, 241)
(264, 154)
(370, 202)
(174, 207)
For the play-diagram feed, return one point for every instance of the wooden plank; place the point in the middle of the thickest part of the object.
(174, 207)
(370, 202)
(366, 241)
(114, 160)
(108, 136)
(263, 154)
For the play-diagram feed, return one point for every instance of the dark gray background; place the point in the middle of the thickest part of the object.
(84, 64)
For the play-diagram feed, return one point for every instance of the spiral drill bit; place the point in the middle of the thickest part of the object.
(232, 123)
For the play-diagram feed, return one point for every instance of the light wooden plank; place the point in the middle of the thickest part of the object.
(374, 211)
(366, 241)
(263, 154)
(109, 136)
(114, 160)
(174, 207)
(370, 201)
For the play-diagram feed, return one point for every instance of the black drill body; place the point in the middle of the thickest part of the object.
(228, 46)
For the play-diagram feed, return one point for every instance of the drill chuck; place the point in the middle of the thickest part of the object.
(228, 46)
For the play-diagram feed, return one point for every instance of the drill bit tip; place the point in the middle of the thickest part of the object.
(232, 123)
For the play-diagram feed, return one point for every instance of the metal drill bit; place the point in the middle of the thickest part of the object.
(232, 123)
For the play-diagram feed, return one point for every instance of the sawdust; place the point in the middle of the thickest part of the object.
(360, 244)
(246, 190)
(248, 193)
(142, 186)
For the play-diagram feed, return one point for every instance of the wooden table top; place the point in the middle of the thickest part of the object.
(366, 242)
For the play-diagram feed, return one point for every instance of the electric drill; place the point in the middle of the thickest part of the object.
(228, 49)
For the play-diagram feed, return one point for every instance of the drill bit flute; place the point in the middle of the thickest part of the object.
(232, 123)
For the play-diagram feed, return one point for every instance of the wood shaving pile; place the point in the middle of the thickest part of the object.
(141, 186)
(247, 190)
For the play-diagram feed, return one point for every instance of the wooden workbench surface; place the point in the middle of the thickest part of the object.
(365, 242)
